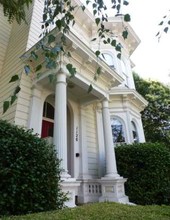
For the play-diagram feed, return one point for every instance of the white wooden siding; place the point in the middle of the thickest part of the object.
(5, 29)
(12, 65)
(92, 148)
(35, 26)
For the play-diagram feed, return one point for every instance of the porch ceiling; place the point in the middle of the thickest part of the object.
(75, 89)
(80, 49)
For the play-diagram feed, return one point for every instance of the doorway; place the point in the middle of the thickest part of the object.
(48, 130)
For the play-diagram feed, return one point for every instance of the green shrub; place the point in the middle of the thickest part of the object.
(147, 167)
(29, 173)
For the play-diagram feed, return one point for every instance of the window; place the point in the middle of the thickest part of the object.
(48, 110)
(117, 131)
(134, 133)
(109, 60)
(48, 120)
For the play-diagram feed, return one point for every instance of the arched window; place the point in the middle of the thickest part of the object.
(108, 58)
(117, 131)
(48, 120)
(48, 110)
(134, 132)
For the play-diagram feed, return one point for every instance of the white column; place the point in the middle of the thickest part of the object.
(60, 122)
(100, 142)
(111, 169)
(36, 111)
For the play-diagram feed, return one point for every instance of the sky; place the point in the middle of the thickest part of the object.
(151, 58)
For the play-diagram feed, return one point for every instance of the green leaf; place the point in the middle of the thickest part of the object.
(51, 38)
(97, 20)
(119, 55)
(108, 40)
(127, 17)
(90, 88)
(94, 12)
(58, 24)
(6, 105)
(56, 49)
(27, 69)
(38, 75)
(125, 2)
(94, 39)
(51, 64)
(44, 17)
(83, 7)
(14, 78)
(161, 23)
(166, 29)
(118, 8)
(69, 54)
(71, 69)
(17, 89)
(34, 55)
(97, 53)
(38, 68)
(98, 70)
(118, 48)
(13, 98)
(51, 77)
(113, 43)
(95, 77)
(125, 34)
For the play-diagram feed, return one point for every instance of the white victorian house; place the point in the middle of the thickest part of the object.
(84, 127)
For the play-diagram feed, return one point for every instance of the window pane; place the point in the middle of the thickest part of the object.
(134, 132)
(50, 111)
(109, 59)
(44, 109)
(117, 131)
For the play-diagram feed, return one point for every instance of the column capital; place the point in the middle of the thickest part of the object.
(61, 71)
(61, 77)
(105, 103)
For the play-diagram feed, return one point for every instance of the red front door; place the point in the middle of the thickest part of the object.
(47, 129)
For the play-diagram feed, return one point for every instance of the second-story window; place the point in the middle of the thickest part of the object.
(108, 58)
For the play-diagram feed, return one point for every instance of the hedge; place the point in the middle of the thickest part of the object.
(147, 167)
(29, 173)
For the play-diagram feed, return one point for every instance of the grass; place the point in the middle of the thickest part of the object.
(102, 211)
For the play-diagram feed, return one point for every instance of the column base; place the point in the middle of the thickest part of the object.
(112, 176)
(113, 190)
(65, 175)
(89, 191)
(70, 186)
